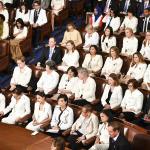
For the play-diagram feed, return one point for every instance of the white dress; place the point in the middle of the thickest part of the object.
(18, 109)
(40, 115)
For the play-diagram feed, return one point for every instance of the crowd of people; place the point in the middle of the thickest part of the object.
(69, 70)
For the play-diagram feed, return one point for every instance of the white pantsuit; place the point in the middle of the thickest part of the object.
(19, 109)
(145, 50)
(2, 102)
(6, 15)
(40, 115)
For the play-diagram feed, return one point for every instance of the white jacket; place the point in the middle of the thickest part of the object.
(2, 102)
(147, 75)
(145, 50)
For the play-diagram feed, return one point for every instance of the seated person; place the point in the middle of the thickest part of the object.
(117, 139)
(45, 4)
(84, 89)
(2, 101)
(58, 144)
(20, 33)
(71, 34)
(92, 61)
(23, 13)
(42, 113)
(4, 28)
(21, 75)
(52, 52)
(70, 58)
(130, 43)
(112, 21)
(145, 50)
(19, 107)
(62, 118)
(57, 6)
(91, 37)
(4, 11)
(37, 19)
(85, 127)
(102, 137)
(112, 95)
(132, 102)
(107, 40)
(113, 63)
(130, 21)
(67, 82)
(49, 79)
(146, 79)
(8, 3)
(137, 68)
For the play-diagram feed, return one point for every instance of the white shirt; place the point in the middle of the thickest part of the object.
(145, 50)
(86, 90)
(7, 1)
(133, 100)
(65, 120)
(130, 23)
(19, 108)
(112, 66)
(48, 82)
(21, 77)
(96, 23)
(2, 102)
(93, 63)
(22, 15)
(130, 45)
(93, 39)
(107, 43)
(147, 75)
(5, 34)
(116, 96)
(42, 18)
(5, 13)
(57, 4)
(22, 33)
(137, 71)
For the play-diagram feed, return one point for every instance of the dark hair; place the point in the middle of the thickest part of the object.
(63, 96)
(111, 33)
(95, 47)
(18, 90)
(73, 69)
(108, 113)
(115, 125)
(59, 143)
(88, 107)
(130, 11)
(116, 49)
(134, 83)
(70, 24)
(37, 2)
(115, 12)
(23, 4)
(53, 38)
(2, 17)
(19, 20)
(72, 43)
(51, 64)
(40, 93)
(115, 78)
(22, 58)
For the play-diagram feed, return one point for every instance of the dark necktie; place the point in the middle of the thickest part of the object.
(145, 24)
(35, 16)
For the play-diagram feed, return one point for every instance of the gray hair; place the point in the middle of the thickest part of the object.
(83, 71)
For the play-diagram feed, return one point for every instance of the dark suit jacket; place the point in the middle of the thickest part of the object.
(27, 2)
(132, 5)
(56, 57)
(113, 4)
(120, 144)
(141, 23)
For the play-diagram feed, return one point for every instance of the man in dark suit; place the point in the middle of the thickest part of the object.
(128, 4)
(51, 53)
(144, 22)
(117, 140)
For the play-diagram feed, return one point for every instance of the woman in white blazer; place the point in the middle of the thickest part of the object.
(19, 107)
(67, 82)
(49, 79)
(23, 12)
(62, 118)
(85, 127)
(102, 137)
(93, 62)
(21, 75)
(91, 37)
(107, 40)
(113, 63)
(145, 50)
(84, 89)
(130, 43)
(137, 68)
(71, 57)
(2, 101)
(132, 102)
(4, 11)
(112, 95)
(42, 113)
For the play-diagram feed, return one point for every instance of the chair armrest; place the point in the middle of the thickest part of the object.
(139, 115)
(45, 125)
(66, 132)
(96, 101)
(25, 118)
(89, 141)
